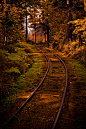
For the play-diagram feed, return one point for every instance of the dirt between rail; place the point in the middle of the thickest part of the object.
(73, 115)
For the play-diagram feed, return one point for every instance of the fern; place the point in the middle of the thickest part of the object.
(14, 56)
(12, 69)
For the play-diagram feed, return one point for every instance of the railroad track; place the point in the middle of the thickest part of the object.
(41, 109)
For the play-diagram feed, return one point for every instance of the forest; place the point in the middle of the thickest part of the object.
(63, 24)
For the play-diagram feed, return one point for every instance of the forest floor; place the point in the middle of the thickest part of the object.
(74, 109)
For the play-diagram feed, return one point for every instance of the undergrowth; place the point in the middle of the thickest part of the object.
(73, 50)
(20, 71)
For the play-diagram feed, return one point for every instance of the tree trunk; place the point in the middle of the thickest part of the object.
(80, 40)
(26, 24)
(45, 36)
(47, 27)
(47, 32)
(69, 18)
(35, 35)
(5, 35)
(85, 7)
(85, 13)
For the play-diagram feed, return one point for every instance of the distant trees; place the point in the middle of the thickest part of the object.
(35, 18)
(55, 15)
(12, 14)
(45, 19)
(24, 5)
(53, 19)
(10, 23)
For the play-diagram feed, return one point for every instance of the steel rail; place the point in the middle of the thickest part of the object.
(65, 88)
(30, 94)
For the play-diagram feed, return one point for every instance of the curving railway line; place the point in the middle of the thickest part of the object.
(42, 108)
